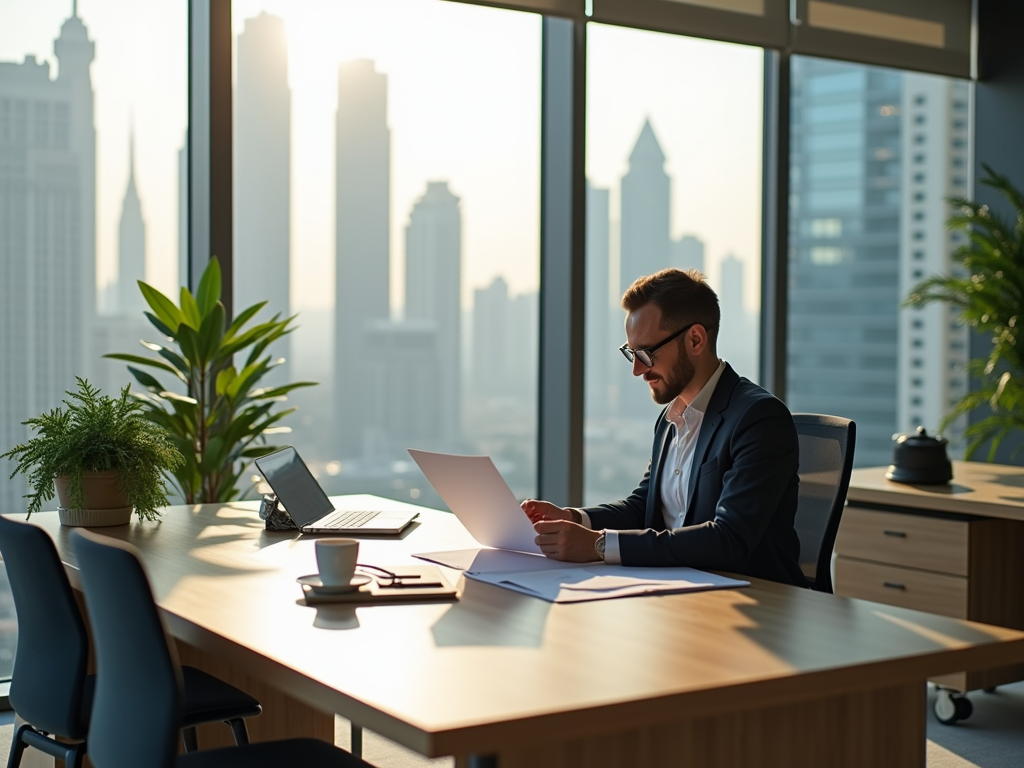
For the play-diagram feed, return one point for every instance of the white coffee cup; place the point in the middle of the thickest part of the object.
(336, 560)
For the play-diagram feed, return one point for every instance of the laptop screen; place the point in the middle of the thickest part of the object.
(295, 486)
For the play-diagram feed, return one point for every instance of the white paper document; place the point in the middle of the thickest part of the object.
(476, 492)
(575, 584)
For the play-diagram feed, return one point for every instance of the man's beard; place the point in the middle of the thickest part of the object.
(681, 375)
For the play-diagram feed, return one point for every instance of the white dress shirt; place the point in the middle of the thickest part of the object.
(685, 422)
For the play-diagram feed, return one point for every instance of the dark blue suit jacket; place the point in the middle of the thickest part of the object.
(742, 495)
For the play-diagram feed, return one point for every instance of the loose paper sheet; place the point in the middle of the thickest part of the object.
(603, 582)
(476, 492)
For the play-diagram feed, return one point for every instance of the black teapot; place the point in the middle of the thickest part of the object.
(920, 459)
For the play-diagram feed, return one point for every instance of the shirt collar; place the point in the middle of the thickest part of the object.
(678, 411)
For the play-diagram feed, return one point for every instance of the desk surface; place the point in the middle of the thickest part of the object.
(499, 670)
(977, 488)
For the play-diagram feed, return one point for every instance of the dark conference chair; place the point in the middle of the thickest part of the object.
(50, 688)
(826, 460)
(138, 672)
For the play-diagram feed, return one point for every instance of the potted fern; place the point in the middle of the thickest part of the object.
(988, 290)
(101, 455)
(216, 412)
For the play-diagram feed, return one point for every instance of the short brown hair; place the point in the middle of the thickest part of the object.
(682, 296)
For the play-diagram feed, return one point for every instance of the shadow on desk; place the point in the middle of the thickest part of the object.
(488, 616)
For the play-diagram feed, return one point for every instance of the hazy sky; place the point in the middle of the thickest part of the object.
(464, 93)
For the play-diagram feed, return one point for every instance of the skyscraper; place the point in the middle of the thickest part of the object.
(131, 247)
(645, 216)
(433, 289)
(874, 154)
(48, 246)
(737, 341)
(644, 243)
(363, 222)
(688, 253)
(262, 168)
(490, 371)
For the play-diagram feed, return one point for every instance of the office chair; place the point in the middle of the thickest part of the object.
(50, 688)
(138, 671)
(826, 460)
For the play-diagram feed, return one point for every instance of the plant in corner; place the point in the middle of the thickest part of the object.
(223, 417)
(96, 440)
(989, 293)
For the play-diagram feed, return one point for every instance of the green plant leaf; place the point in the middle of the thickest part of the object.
(212, 332)
(163, 307)
(190, 309)
(209, 291)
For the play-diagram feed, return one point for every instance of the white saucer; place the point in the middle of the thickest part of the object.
(313, 582)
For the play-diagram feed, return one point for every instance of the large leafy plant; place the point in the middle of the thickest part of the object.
(223, 418)
(988, 291)
(97, 433)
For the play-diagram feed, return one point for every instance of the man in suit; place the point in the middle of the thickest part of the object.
(721, 489)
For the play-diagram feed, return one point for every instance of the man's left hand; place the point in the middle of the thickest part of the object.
(562, 540)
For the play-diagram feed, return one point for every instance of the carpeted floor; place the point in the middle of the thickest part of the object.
(992, 738)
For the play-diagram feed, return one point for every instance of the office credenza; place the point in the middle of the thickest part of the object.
(956, 550)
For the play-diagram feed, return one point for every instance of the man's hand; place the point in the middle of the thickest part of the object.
(563, 540)
(544, 510)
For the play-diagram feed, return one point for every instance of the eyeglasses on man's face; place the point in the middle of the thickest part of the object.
(646, 356)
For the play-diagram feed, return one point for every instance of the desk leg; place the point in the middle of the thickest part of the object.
(283, 716)
(879, 728)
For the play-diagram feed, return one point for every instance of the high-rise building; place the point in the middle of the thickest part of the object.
(131, 247)
(48, 245)
(933, 346)
(399, 416)
(688, 253)
(433, 289)
(599, 349)
(645, 242)
(490, 358)
(363, 224)
(737, 340)
(871, 166)
(262, 168)
(645, 211)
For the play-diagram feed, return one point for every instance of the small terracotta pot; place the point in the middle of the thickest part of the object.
(105, 503)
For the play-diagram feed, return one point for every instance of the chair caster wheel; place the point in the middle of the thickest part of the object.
(951, 707)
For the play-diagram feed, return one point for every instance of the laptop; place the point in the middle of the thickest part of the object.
(308, 505)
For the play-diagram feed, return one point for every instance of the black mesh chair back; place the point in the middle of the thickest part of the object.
(826, 460)
(135, 710)
(48, 684)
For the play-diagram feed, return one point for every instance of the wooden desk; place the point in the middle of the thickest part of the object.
(955, 550)
(764, 676)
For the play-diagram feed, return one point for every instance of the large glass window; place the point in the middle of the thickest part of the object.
(674, 131)
(875, 154)
(387, 162)
(92, 116)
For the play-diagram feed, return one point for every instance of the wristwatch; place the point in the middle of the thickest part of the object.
(599, 545)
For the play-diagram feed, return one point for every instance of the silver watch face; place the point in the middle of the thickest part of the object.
(599, 545)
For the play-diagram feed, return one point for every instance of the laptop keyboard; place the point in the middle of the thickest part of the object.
(343, 519)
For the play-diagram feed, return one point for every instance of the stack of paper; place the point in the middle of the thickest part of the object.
(603, 582)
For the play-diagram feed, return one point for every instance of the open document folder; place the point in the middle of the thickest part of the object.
(576, 584)
(559, 582)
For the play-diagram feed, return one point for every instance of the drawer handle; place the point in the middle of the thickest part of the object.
(894, 585)
(897, 534)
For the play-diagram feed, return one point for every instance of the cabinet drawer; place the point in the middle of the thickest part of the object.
(914, 541)
(905, 587)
